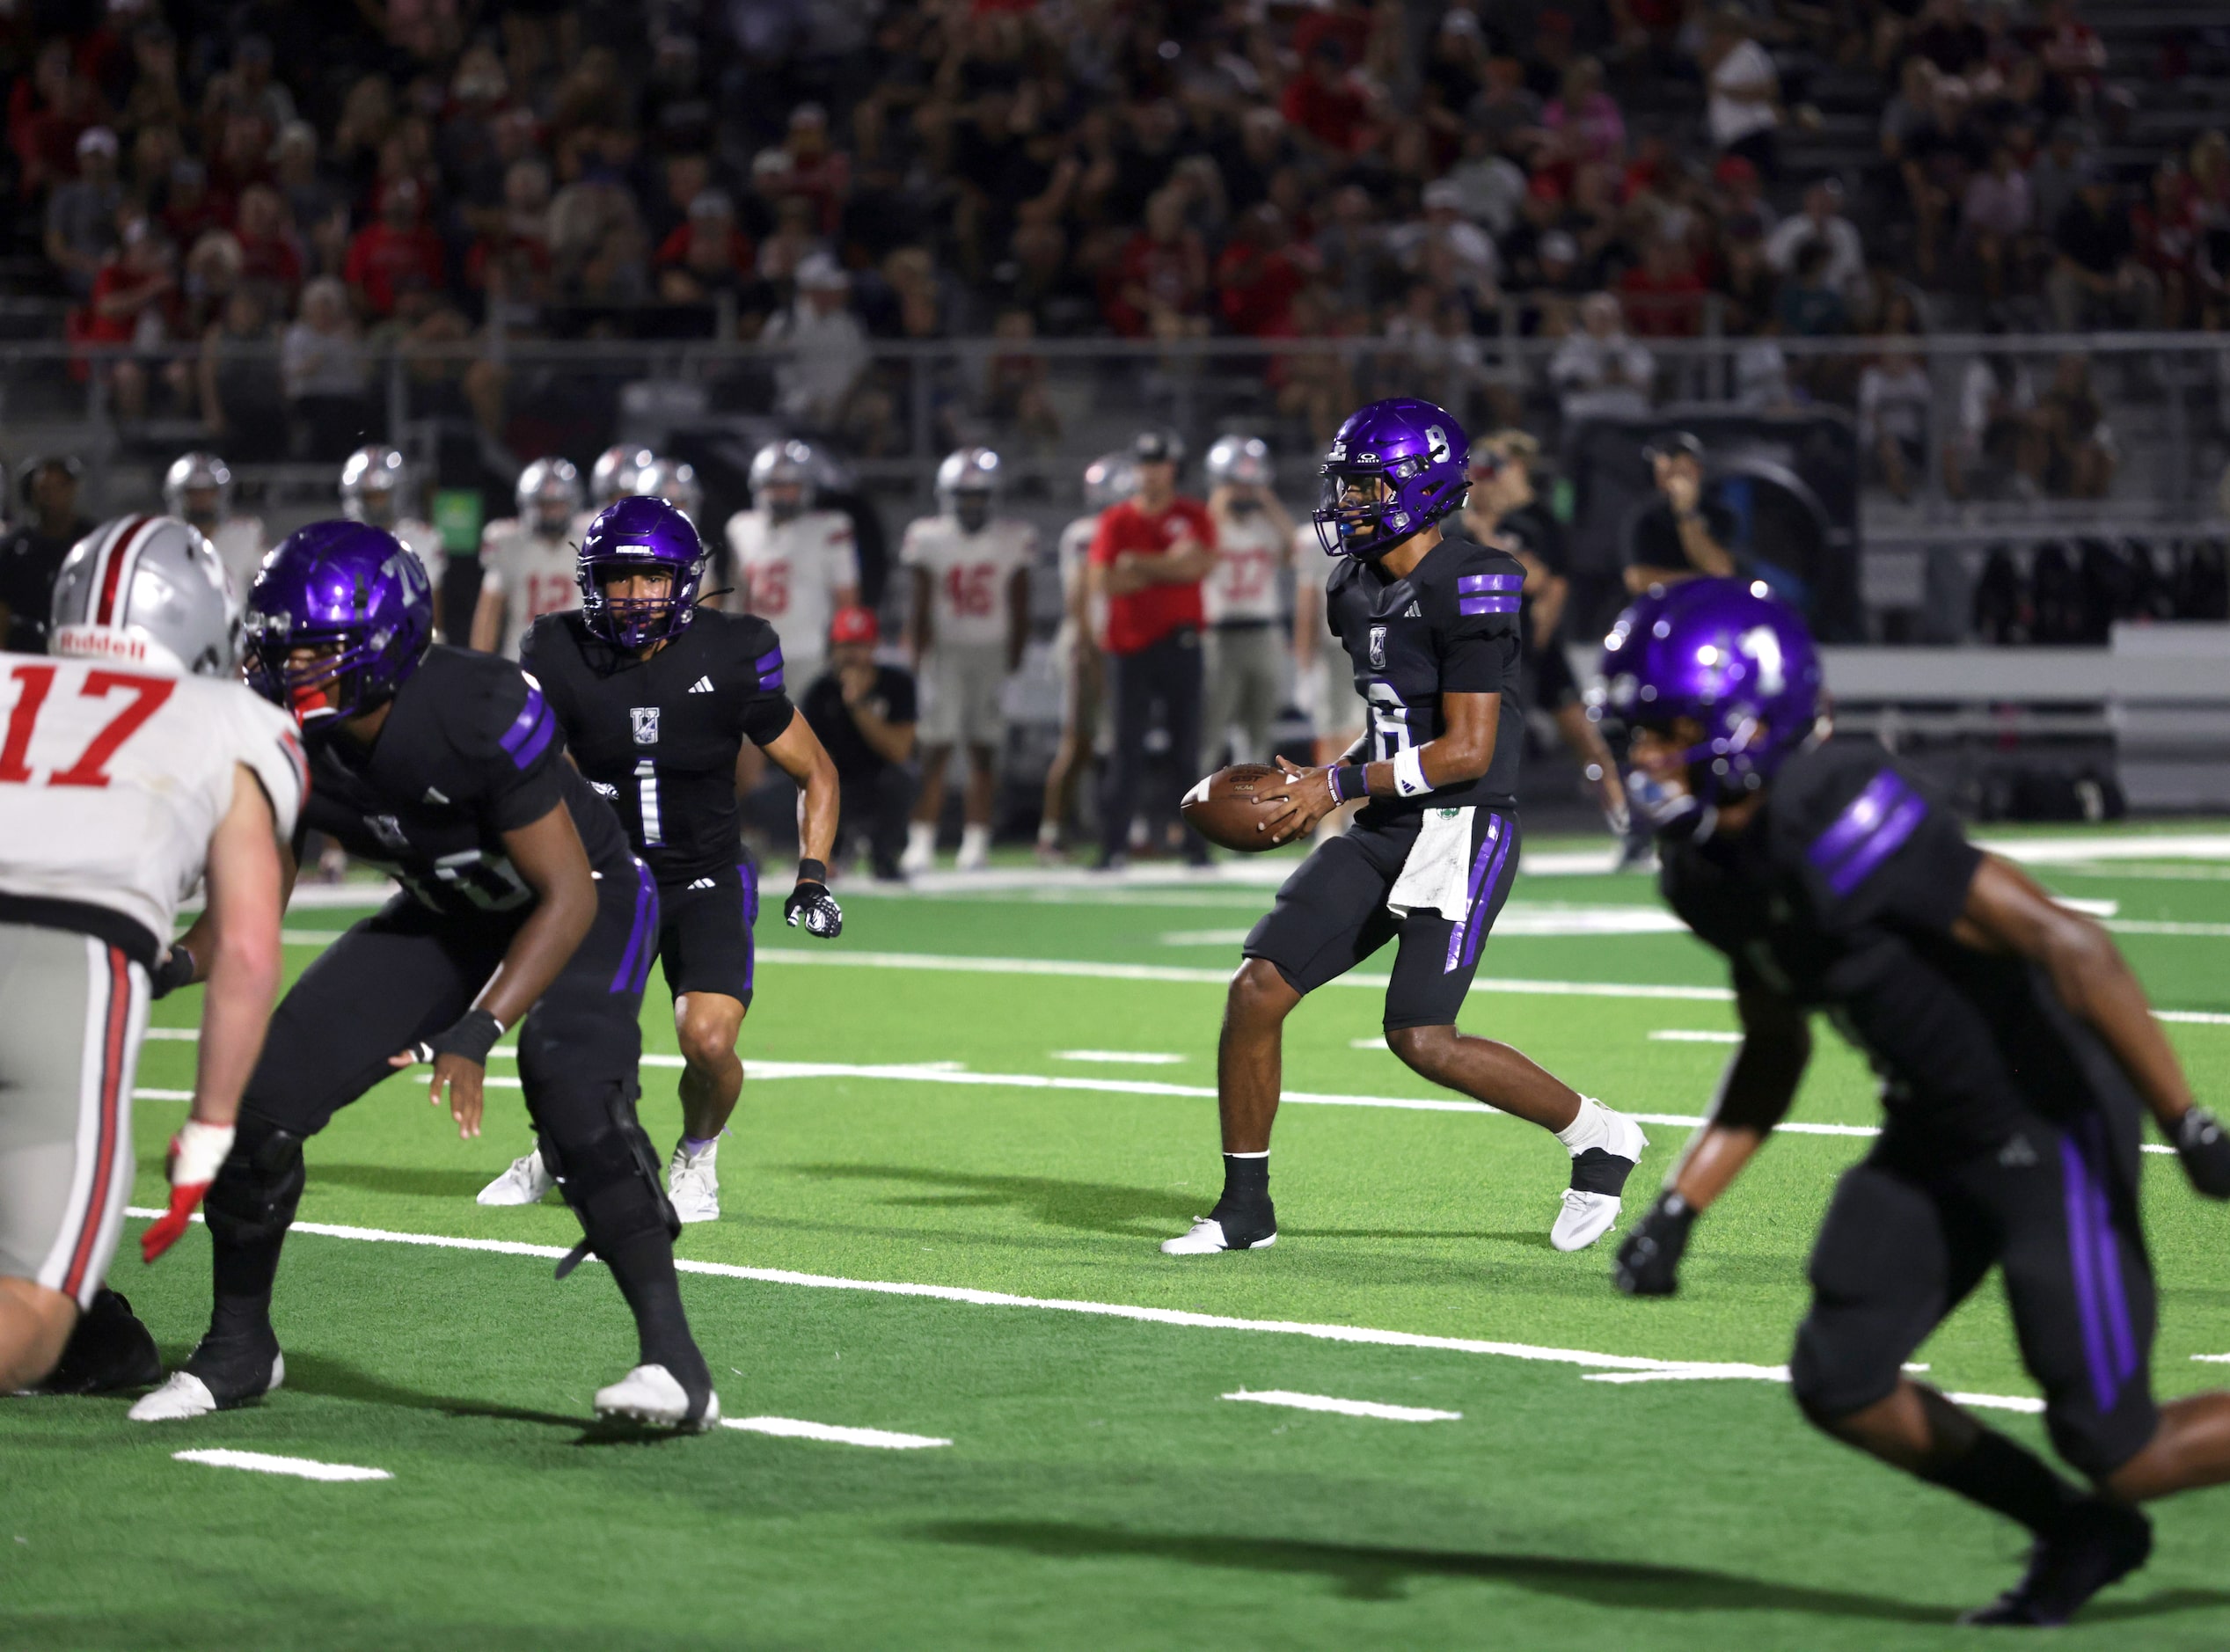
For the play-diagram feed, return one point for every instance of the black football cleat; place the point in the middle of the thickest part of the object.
(2101, 1543)
(1225, 1230)
(110, 1350)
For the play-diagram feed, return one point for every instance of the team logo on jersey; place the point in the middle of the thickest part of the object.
(646, 721)
(1379, 647)
(601, 790)
(389, 832)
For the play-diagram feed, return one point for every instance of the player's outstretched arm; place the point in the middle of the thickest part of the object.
(249, 877)
(1754, 1095)
(797, 752)
(2007, 911)
(547, 855)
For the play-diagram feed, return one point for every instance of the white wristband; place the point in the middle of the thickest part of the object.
(1410, 773)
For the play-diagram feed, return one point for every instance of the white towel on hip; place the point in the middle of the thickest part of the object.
(1435, 877)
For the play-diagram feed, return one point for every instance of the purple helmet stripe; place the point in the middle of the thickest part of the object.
(1487, 605)
(1467, 583)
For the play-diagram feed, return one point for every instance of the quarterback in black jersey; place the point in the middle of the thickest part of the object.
(659, 698)
(2018, 1060)
(520, 906)
(1429, 622)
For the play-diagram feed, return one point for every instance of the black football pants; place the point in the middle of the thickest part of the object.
(1167, 675)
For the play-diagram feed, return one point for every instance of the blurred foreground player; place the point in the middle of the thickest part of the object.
(657, 698)
(2017, 1056)
(519, 903)
(133, 764)
(1429, 623)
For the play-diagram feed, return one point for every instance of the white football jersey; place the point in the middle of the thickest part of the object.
(791, 572)
(111, 780)
(240, 547)
(532, 572)
(1074, 554)
(967, 574)
(1249, 551)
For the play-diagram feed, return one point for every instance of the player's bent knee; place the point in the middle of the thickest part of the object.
(1424, 1049)
(608, 1173)
(253, 1198)
(1260, 993)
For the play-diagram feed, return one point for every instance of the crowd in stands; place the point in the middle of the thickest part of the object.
(284, 194)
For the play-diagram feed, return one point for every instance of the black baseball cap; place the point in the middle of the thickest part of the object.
(1675, 444)
(1157, 447)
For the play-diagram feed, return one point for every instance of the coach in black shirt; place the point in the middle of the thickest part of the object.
(1678, 535)
(864, 713)
(33, 552)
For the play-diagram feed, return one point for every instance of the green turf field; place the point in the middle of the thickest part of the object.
(919, 1123)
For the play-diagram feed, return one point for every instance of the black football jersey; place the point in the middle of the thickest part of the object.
(660, 737)
(469, 750)
(1841, 895)
(1450, 627)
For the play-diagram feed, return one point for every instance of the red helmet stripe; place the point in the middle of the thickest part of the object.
(123, 548)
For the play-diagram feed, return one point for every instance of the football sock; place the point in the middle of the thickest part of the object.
(975, 839)
(2011, 1479)
(921, 838)
(1588, 1129)
(1048, 832)
(643, 1265)
(1246, 1182)
(694, 1146)
(241, 1271)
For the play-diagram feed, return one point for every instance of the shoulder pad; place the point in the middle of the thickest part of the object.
(1842, 803)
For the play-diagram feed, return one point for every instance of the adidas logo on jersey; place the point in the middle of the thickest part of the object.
(702, 883)
(433, 795)
(1413, 612)
(703, 685)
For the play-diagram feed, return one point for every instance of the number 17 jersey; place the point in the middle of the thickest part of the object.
(1449, 627)
(659, 737)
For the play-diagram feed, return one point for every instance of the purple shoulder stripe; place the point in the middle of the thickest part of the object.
(531, 731)
(1467, 583)
(1487, 605)
(1872, 827)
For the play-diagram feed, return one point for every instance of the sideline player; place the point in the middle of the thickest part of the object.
(797, 566)
(1108, 480)
(970, 619)
(133, 763)
(527, 560)
(1246, 658)
(1429, 622)
(377, 487)
(1503, 508)
(197, 489)
(2018, 1058)
(519, 905)
(617, 473)
(675, 481)
(657, 697)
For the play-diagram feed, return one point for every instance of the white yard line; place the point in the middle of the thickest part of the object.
(1121, 1057)
(795, 1428)
(1692, 1035)
(1344, 1407)
(1352, 1335)
(264, 1463)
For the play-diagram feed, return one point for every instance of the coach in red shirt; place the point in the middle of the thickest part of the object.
(1148, 558)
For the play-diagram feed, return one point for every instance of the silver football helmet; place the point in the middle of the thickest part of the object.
(203, 474)
(966, 470)
(375, 485)
(147, 592)
(549, 495)
(784, 464)
(1243, 461)
(616, 471)
(675, 481)
(1109, 480)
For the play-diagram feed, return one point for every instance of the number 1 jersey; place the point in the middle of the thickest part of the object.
(1449, 627)
(660, 737)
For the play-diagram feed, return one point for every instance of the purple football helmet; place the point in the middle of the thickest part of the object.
(1737, 661)
(1417, 449)
(356, 596)
(641, 533)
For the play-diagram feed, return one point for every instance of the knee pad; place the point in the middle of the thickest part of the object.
(609, 1177)
(253, 1198)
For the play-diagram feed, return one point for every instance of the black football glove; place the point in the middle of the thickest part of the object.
(812, 905)
(1649, 1263)
(2203, 1146)
(175, 970)
(472, 1035)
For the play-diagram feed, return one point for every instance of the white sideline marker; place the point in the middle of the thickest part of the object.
(264, 1463)
(795, 1428)
(1345, 1408)
(1692, 1035)
(1121, 1057)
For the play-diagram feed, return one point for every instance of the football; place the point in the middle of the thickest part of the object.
(1227, 805)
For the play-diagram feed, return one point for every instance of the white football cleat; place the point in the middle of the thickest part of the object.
(1598, 1177)
(921, 851)
(974, 848)
(528, 1182)
(652, 1394)
(185, 1395)
(1206, 1236)
(693, 1183)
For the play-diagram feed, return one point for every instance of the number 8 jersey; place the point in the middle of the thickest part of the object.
(1450, 627)
(112, 781)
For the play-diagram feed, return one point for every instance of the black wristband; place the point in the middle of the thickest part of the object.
(472, 1035)
(811, 871)
(1351, 781)
(174, 969)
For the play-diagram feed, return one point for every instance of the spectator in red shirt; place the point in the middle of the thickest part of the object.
(1160, 283)
(269, 256)
(130, 299)
(1147, 561)
(1328, 103)
(1664, 295)
(395, 255)
(1258, 274)
(706, 255)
